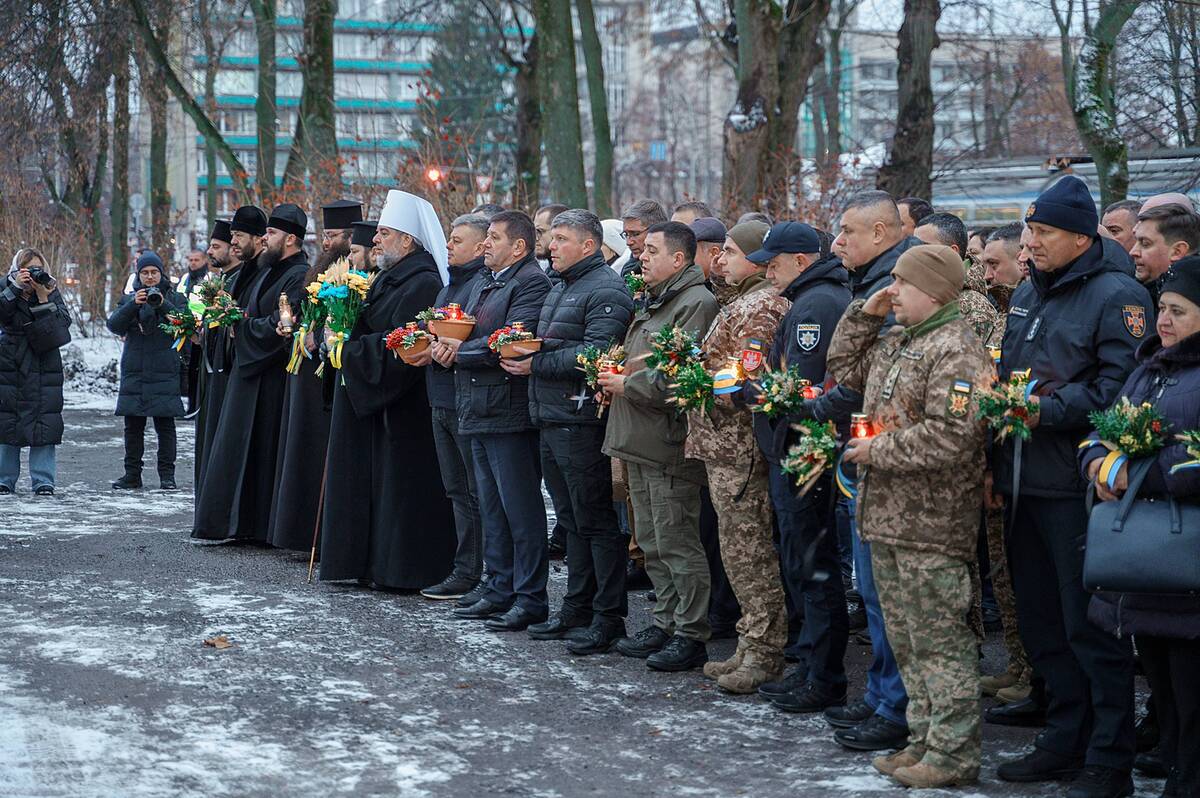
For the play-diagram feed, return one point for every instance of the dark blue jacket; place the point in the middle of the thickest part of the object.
(31, 368)
(1076, 330)
(488, 399)
(819, 297)
(1170, 380)
(149, 365)
(877, 274)
(439, 381)
(588, 305)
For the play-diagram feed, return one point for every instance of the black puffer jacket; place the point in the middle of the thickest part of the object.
(1170, 380)
(488, 398)
(31, 372)
(588, 306)
(439, 381)
(149, 365)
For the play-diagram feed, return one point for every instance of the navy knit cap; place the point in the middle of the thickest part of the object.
(1067, 205)
(150, 259)
(1183, 278)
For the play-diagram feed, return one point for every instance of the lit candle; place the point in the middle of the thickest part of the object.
(411, 326)
(454, 311)
(286, 319)
(808, 391)
(860, 426)
(518, 326)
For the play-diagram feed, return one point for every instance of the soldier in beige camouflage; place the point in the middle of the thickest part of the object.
(723, 438)
(920, 489)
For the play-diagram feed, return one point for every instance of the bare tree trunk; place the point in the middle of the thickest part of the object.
(118, 211)
(265, 110)
(560, 101)
(526, 192)
(909, 167)
(598, 101)
(320, 118)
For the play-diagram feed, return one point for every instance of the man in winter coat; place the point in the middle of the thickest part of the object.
(587, 306)
(920, 486)
(808, 548)
(646, 430)
(1073, 327)
(493, 410)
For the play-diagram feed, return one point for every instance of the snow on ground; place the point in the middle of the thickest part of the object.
(91, 370)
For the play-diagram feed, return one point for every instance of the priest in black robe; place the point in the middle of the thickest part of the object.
(387, 521)
(237, 505)
(233, 249)
(304, 422)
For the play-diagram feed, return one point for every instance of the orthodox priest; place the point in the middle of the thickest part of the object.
(233, 248)
(387, 521)
(362, 246)
(304, 421)
(237, 506)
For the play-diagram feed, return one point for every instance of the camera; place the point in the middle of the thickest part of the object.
(41, 277)
(154, 296)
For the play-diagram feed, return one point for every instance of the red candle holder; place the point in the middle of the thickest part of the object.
(454, 311)
(860, 426)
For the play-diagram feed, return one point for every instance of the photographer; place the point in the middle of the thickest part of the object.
(149, 371)
(34, 324)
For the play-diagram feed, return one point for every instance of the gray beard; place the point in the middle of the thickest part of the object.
(385, 261)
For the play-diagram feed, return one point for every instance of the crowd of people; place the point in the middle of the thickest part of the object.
(426, 472)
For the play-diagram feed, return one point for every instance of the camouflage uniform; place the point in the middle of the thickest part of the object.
(723, 439)
(918, 507)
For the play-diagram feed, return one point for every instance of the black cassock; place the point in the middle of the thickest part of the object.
(215, 364)
(239, 476)
(303, 435)
(386, 519)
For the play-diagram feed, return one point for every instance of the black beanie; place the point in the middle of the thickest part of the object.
(249, 219)
(1067, 205)
(364, 234)
(221, 232)
(290, 219)
(1183, 278)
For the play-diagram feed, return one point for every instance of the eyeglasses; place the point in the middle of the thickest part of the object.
(628, 234)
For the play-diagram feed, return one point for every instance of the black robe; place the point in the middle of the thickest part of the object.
(386, 519)
(235, 499)
(216, 361)
(303, 435)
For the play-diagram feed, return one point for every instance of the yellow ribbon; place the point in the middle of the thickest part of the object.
(1110, 467)
(298, 351)
(178, 345)
(335, 351)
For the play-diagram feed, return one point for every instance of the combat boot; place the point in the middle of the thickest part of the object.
(714, 670)
(906, 757)
(1014, 694)
(754, 669)
(924, 776)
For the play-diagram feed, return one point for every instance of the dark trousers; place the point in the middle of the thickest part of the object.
(191, 376)
(458, 477)
(724, 611)
(507, 476)
(596, 547)
(135, 445)
(811, 565)
(1171, 666)
(1088, 672)
(560, 496)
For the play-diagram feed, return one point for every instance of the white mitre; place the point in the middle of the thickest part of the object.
(411, 214)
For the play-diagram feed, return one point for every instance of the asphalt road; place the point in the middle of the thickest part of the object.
(107, 690)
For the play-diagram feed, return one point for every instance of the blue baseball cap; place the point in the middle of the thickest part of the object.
(789, 237)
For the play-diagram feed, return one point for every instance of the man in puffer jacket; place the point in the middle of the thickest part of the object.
(588, 306)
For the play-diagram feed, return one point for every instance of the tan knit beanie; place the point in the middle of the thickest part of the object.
(748, 235)
(935, 269)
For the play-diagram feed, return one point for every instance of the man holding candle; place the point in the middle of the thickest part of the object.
(920, 486)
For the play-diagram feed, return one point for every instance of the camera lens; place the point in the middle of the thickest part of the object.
(154, 297)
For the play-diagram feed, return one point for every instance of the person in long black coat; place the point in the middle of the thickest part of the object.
(238, 261)
(237, 505)
(150, 369)
(387, 520)
(34, 324)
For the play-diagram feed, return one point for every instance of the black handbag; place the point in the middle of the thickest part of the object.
(1143, 545)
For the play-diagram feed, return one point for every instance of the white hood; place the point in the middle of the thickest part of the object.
(410, 214)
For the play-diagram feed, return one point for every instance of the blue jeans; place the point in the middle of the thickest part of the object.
(41, 466)
(885, 689)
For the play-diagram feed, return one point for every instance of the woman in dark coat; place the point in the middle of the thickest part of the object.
(34, 324)
(150, 369)
(1166, 628)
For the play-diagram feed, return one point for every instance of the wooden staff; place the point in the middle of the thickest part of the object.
(312, 557)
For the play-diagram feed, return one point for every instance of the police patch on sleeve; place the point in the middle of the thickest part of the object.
(808, 336)
(1135, 320)
(959, 400)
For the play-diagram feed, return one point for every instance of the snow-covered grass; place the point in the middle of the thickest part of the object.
(91, 370)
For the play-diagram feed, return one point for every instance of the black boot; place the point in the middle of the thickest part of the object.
(679, 654)
(597, 639)
(1098, 781)
(128, 482)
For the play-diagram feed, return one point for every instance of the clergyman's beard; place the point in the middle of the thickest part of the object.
(325, 259)
(386, 260)
(270, 257)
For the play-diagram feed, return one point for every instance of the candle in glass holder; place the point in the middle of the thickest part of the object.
(518, 326)
(860, 426)
(286, 319)
(411, 326)
(454, 311)
(807, 390)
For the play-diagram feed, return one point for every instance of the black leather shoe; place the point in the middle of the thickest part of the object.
(1150, 764)
(558, 627)
(849, 716)
(876, 733)
(44, 490)
(480, 610)
(1040, 765)
(517, 619)
(1028, 713)
(167, 483)
(646, 642)
(5, 490)
(792, 680)
(127, 482)
(476, 592)
(636, 577)
(1098, 781)
(452, 587)
(809, 698)
(596, 640)
(679, 654)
